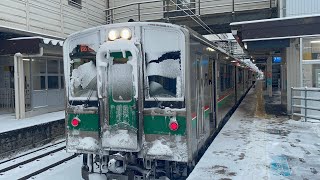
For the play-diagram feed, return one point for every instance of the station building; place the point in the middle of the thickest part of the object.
(31, 39)
(287, 49)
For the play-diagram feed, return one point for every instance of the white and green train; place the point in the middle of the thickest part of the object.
(143, 99)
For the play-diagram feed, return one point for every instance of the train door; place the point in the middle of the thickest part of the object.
(120, 79)
(199, 94)
(213, 95)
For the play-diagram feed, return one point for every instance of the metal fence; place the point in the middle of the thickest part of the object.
(305, 103)
(7, 99)
(165, 9)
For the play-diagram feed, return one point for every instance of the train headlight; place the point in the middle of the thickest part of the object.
(125, 33)
(113, 35)
(75, 122)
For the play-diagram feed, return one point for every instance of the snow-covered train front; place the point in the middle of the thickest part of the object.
(143, 98)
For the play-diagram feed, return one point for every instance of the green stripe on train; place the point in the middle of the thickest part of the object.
(195, 120)
(160, 125)
(227, 100)
(88, 122)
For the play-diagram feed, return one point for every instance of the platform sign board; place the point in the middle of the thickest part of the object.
(277, 59)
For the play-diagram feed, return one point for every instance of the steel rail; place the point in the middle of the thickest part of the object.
(31, 159)
(48, 167)
(32, 152)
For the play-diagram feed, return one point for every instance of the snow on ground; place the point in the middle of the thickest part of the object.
(33, 166)
(253, 148)
(8, 122)
(30, 153)
(70, 170)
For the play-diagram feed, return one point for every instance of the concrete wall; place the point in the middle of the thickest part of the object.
(30, 137)
(293, 69)
(52, 17)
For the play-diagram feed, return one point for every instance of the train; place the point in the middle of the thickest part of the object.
(144, 98)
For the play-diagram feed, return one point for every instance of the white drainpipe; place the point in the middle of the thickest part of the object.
(20, 109)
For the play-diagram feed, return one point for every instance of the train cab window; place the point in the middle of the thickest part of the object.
(83, 72)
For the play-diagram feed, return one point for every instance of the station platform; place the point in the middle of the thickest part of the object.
(21, 134)
(255, 145)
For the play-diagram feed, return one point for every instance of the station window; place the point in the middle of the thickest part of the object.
(46, 74)
(311, 62)
(311, 75)
(76, 3)
(39, 82)
(53, 82)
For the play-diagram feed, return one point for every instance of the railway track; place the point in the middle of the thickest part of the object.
(31, 152)
(48, 167)
(25, 167)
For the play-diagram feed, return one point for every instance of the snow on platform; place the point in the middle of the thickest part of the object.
(261, 148)
(8, 122)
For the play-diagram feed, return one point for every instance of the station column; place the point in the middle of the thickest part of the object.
(269, 76)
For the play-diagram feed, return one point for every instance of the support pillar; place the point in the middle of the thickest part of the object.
(19, 87)
(269, 76)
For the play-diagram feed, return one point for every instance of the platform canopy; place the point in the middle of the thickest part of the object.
(263, 36)
(26, 45)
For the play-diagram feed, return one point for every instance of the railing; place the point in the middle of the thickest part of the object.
(306, 101)
(166, 9)
(7, 99)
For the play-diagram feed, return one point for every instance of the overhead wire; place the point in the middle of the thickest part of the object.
(207, 28)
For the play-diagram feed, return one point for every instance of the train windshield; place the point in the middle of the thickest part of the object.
(83, 72)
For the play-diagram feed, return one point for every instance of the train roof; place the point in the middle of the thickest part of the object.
(193, 34)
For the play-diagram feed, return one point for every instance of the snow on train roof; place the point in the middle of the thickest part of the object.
(248, 63)
(49, 41)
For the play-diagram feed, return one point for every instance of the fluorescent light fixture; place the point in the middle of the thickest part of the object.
(233, 61)
(314, 42)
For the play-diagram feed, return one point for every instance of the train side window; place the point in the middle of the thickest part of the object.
(222, 82)
(164, 75)
(83, 71)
